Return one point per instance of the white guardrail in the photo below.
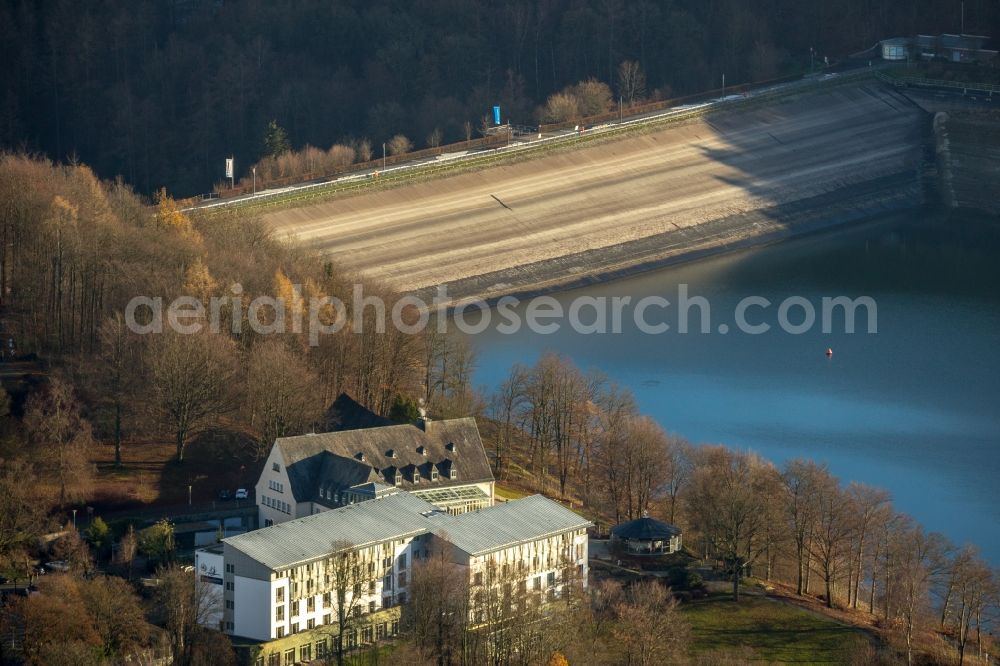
(565, 136)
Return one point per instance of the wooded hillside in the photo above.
(162, 92)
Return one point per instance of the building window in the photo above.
(453, 473)
(320, 649)
(276, 467)
(289, 657)
(274, 659)
(551, 579)
(371, 606)
(268, 522)
(380, 631)
(478, 579)
(366, 635)
(371, 587)
(401, 598)
(229, 604)
(281, 632)
(416, 476)
(537, 583)
(306, 653)
(310, 624)
(326, 599)
(295, 628)
(230, 568)
(229, 586)
(395, 627)
(402, 561)
(279, 613)
(357, 611)
(401, 579)
(327, 618)
(434, 474)
(279, 594)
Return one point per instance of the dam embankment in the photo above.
(723, 181)
(967, 144)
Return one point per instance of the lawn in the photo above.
(508, 493)
(776, 632)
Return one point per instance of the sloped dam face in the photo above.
(729, 179)
(967, 146)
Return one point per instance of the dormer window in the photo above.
(393, 476)
(416, 475)
(450, 446)
(276, 467)
(453, 472)
(391, 453)
(434, 474)
(422, 450)
(360, 456)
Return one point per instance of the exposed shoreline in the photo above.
(844, 208)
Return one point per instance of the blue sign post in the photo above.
(496, 115)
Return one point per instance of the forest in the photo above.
(160, 93)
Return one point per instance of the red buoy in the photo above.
(829, 351)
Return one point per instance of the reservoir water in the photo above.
(913, 408)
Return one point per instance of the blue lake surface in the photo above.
(913, 408)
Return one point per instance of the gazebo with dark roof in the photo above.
(647, 536)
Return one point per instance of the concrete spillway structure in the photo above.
(726, 180)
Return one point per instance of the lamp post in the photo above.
(189, 494)
(620, 100)
(383, 156)
(723, 85)
(255, 180)
(74, 519)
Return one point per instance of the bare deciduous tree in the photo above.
(801, 480)
(22, 511)
(119, 353)
(192, 381)
(283, 393)
(649, 628)
(437, 615)
(631, 82)
(399, 145)
(61, 440)
(434, 138)
(184, 609)
(726, 504)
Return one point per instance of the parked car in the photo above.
(242, 494)
(225, 495)
(57, 565)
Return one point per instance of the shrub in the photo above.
(399, 145)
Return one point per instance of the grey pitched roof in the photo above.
(404, 515)
(508, 524)
(313, 537)
(645, 529)
(332, 459)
